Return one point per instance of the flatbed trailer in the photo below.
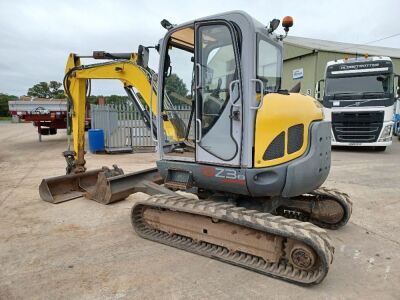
(48, 115)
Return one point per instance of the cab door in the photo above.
(218, 94)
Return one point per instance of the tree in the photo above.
(175, 87)
(47, 90)
(4, 98)
(116, 99)
(113, 99)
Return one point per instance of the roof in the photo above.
(359, 60)
(332, 46)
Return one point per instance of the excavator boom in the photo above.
(132, 71)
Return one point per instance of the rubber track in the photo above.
(307, 233)
(344, 201)
(342, 198)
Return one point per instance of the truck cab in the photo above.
(358, 100)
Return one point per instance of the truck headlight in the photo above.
(386, 134)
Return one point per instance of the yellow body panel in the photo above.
(128, 72)
(277, 114)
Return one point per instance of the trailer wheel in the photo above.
(44, 131)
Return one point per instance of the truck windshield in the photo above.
(359, 85)
(269, 59)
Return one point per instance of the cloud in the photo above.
(36, 36)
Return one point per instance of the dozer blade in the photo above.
(102, 185)
(67, 187)
(111, 189)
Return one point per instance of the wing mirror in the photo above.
(381, 78)
(143, 56)
(296, 88)
(318, 90)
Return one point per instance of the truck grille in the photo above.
(362, 127)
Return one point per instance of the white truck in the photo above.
(358, 98)
(396, 119)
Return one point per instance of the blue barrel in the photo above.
(96, 140)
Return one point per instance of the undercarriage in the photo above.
(273, 235)
(287, 249)
(326, 208)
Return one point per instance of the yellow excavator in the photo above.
(251, 158)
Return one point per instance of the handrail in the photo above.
(198, 71)
(198, 121)
(231, 92)
(262, 93)
(155, 139)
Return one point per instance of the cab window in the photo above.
(269, 60)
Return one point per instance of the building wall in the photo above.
(308, 64)
(313, 65)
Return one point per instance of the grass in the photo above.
(5, 118)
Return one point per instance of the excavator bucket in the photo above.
(67, 187)
(102, 185)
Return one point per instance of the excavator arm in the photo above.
(131, 72)
(107, 185)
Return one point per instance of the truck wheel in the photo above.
(53, 131)
(380, 148)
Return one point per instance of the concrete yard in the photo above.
(84, 250)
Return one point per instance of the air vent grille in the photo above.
(276, 149)
(295, 138)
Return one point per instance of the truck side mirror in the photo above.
(318, 90)
(296, 88)
(398, 86)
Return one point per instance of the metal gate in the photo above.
(124, 130)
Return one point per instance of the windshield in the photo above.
(358, 85)
(269, 65)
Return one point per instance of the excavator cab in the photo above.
(226, 70)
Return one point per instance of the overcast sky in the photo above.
(36, 36)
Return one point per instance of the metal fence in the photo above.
(124, 129)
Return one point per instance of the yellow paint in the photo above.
(277, 114)
(129, 73)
